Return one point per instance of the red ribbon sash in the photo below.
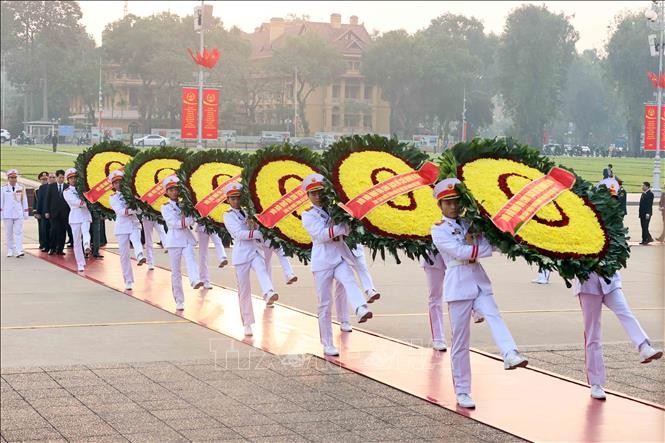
(153, 193)
(214, 198)
(288, 203)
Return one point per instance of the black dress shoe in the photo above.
(51, 252)
(61, 253)
(70, 245)
(98, 256)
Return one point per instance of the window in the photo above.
(352, 90)
(353, 66)
(335, 91)
(335, 117)
(367, 121)
(351, 120)
(369, 90)
(133, 97)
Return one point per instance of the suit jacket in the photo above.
(328, 245)
(55, 203)
(646, 203)
(40, 207)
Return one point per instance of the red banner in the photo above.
(288, 203)
(189, 113)
(215, 198)
(98, 191)
(531, 198)
(651, 127)
(363, 203)
(153, 193)
(210, 111)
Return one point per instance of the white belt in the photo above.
(452, 263)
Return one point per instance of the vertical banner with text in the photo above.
(651, 127)
(188, 116)
(210, 111)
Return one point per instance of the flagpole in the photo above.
(199, 142)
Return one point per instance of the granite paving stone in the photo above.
(168, 436)
(211, 434)
(262, 430)
(45, 433)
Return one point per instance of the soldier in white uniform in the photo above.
(466, 287)
(179, 242)
(331, 262)
(79, 219)
(284, 262)
(247, 255)
(127, 229)
(222, 259)
(14, 209)
(148, 226)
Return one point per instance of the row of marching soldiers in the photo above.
(453, 271)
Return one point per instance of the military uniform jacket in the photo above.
(465, 277)
(78, 209)
(13, 204)
(246, 242)
(178, 234)
(126, 220)
(596, 284)
(328, 246)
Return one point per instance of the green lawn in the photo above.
(30, 160)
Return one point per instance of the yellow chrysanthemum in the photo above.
(274, 179)
(153, 172)
(574, 228)
(100, 166)
(205, 178)
(409, 215)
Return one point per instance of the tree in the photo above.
(536, 49)
(627, 64)
(394, 62)
(317, 63)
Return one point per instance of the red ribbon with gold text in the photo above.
(98, 191)
(288, 203)
(215, 198)
(153, 193)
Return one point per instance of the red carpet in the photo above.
(529, 403)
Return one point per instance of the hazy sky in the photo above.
(591, 19)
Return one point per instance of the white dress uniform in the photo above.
(593, 293)
(331, 261)
(127, 230)
(179, 242)
(79, 220)
(247, 255)
(148, 226)
(435, 273)
(287, 269)
(14, 209)
(220, 252)
(360, 266)
(467, 287)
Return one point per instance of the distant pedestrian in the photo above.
(14, 209)
(646, 210)
(661, 206)
(607, 172)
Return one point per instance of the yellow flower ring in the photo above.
(409, 216)
(153, 172)
(270, 181)
(204, 179)
(567, 227)
(99, 167)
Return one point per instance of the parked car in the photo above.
(5, 136)
(269, 140)
(151, 140)
(309, 142)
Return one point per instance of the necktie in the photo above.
(60, 189)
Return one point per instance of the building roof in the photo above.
(348, 38)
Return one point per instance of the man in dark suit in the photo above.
(646, 209)
(57, 212)
(40, 205)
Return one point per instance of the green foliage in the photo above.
(536, 49)
(191, 163)
(81, 166)
(127, 185)
(378, 244)
(607, 208)
(251, 202)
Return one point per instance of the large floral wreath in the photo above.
(579, 232)
(144, 171)
(354, 164)
(94, 165)
(268, 175)
(199, 175)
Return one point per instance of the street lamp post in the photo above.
(657, 22)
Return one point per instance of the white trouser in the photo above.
(176, 276)
(14, 234)
(245, 289)
(435, 301)
(343, 275)
(204, 238)
(283, 261)
(341, 308)
(125, 258)
(148, 225)
(591, 311)
(360, 265)
(460, 322)
(80, 231)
